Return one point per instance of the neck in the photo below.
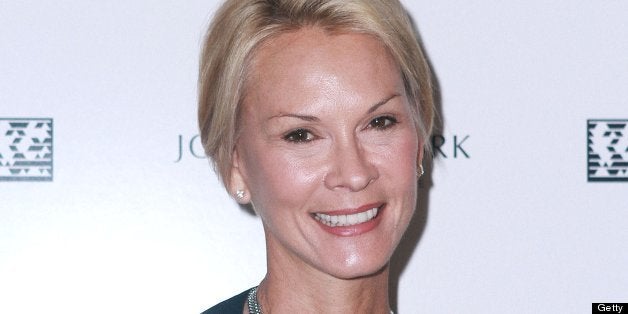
(294, 287)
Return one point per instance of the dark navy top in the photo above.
(234, 305)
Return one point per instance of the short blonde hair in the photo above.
(239, 26)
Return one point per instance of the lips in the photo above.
(346, 220)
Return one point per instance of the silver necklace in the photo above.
(255, 308)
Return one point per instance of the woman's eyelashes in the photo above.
(302, 135)
(382, 123)
(299, 136)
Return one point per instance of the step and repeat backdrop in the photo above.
(107, 204)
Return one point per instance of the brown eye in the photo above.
(382, 123)
(299, 136)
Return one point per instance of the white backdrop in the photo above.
(510, 223)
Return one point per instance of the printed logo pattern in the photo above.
(607, 150)
(25, 149)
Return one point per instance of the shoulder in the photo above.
(234, 305)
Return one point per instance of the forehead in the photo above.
(314, 43)
(319, 64)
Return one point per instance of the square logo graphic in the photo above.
(607, 145)
(26, 149)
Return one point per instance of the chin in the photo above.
(353, 268)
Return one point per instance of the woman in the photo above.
(317, 113)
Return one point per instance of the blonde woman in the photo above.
(317, 113)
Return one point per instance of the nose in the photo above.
(350, 167)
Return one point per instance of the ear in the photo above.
(237, 185)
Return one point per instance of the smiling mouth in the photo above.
(347, 220)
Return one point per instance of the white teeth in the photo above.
(346, 220)
(362, 217)
(352, 219)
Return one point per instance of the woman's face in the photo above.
(328, 152)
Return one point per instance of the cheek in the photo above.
(403, 173)
(398, 157)
(278, 179)
(398, 171)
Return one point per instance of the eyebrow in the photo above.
(298, 116)
(315, 119)
(381, 103)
